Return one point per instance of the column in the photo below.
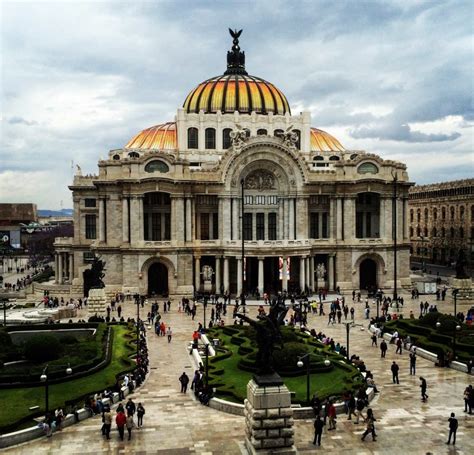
(281, 221)
(134, 224)
(197, 274)
(218, 275)
(226, 273)
(260, 276)
(302, 273)
(331, 272)
(189, 220)
(235, 219)
(220, 211)
(400, 213)
(405, 218)
(311, 273)
(307, 275)
(284, 278)
(382, 218)
(101, 220)
(177, 212)
(60, 268)
(225, 219)
(349, 218)
(141, 219)
(339, 227)
(125, 221)
(239, 276)
(291, 221)
(285, 220)
(56, 268)
(387, 219)
(302, 218)
(71, 267)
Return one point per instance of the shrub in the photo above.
(288, 355)
(41, 348)
(5, 338)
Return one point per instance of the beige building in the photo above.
(442, 221)
(164, 211)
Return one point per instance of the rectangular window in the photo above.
(260, 222)
(155, 226)
(204, 226)
(324, 222)
(272, 226)
(89, 202)
(167, 226)
(314, 226)
(91, 227)
(248, 221)
(359, 224)
(215, 225)
(88, 257)
(368, 225)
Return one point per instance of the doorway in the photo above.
(158, 279)
(368, 275)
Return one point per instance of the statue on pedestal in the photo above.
(461, 264)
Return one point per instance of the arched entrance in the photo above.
(158, 279)
(368, 275)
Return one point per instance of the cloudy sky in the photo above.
(81, 78)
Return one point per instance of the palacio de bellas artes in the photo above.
(237, 228)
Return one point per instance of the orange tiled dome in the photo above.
(160, 137)
(324, 142)
(236, 92)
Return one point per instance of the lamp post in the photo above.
(4, 302)
(137, 301)
(204, 307)
(242, 296)
(44, 378)
(394, 233)
(207, 363)
(300, 364)
(348, 326)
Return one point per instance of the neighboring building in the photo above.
(54, 218)
(442, 221)
(164, 211)
(12, 218)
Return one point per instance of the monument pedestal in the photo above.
(269, 419)
(465, 294)
(97, 302)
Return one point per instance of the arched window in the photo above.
(157, 166)
(461, 232)
(411, 215)
(134, 155)
(425, 232)
(261, 132)
(368, 168)
(210, 138)
(226, 140)
(277, 133)
(452, 213)
(116, 157)
(435, 214)
(472, 213)
(426, 214)
(443, 213)
(434, 232)
(411, 232)
(461, 213)
(418, 215)
(451, 233)
(334, 158)
(193, 138)
(418, 231)
(318, 158)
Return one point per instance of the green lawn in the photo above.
(15, 403)
(231, 381)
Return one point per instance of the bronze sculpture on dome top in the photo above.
(235, 57)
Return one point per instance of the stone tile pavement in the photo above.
(176, 424)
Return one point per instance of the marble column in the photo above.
(405, 218)
(134, 224)
(235, 219)
(218, 275)
(302, 273)
(331, 272)
(141, 219)
(281, 221)
(311, 273)
(339, 226)
(197, 274)
(382, 218)
(349, 219)
(102, 220)
(307, 273)
(56, 268)
(189, 220)
(291, 221)
(302, 218)
(284, 278)
(177, 213)
(125, 221)
(71, 267)
(226, 273)
(260, 276)
(239, 276)
(60, 268)
(286, 220)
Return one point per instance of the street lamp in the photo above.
(348, 326)
(44, 378)
(207, 363)
(394, 233)
(300, 364)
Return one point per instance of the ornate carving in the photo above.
(260, 180)
(290, 137)
(239, 136)
(207, 272)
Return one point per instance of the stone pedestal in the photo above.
(97, 302)
(207, 286)
(269, 420)
(465, 294)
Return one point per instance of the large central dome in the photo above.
(236, 90)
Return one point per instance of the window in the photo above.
(193, 138)
(278, 133)
(451, 233)
(272, 226)
(418, 231)
(443, 213)
(157, 166)
(260, 222)
(298, 142)
(411, 232)
(426, 214)
(261, 132)
(248, 200)
(226, 139)
(461, 213)
(334, 158)
(259, 200)
(272, 200)
(324, 223)
(248, 226)
(425, 232)
(452, 213)
(443, 232)
(418, 215)
(134, 155)
(411, 216)
(89, 202)
(88, 257)
(205, 226)
(435, 214)
(91, 227)
(318, 158)
(314, 225)
(215, 225)
(434, 232)
(116, 157)
(210, 138)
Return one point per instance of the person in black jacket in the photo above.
(318, 430)
(395, 369)
(453, 427)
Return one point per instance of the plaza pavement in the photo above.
(176, 424)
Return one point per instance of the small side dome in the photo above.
(324, 142)
(159, 137)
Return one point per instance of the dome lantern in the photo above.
(235, 58)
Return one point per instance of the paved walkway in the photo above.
(177, 424)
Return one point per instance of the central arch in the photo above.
(158, 279)
(368, 275)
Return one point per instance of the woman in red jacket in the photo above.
(120, 420)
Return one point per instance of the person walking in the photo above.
(370, 421)
(184, 380)
(360, 405)
(107, 423)
(140, 414)
(120, 421)
(383, 349)
(453, 428)
(412, 363)
(130, 407)
(395, 369)
(119, 311)
(169, 334)
(129, 423)
(351, 406)
(352, 313)
(423, 387)
(332, 416)
(374, 339)
(318, 430)
(399, 346)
